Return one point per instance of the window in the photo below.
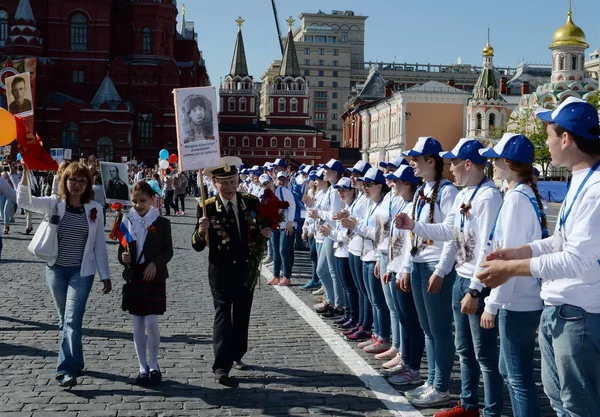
(334, 138)
(336, 52)
(307, 62)
(231, 104)
(321, 116)
(245, 141)
(478, 121)
(243, 104)
(301, 143)
(345, 37)
(104, 149)
(321, 73)
(259, 142)
(294, 105)
(334, 84)
(321, 84)
(334, 95)
(231, 141)
(331, 39)
(307, 73)
(321, 51)
(308, 38)
(336, 74)
(334, 106)
(146, 41)
(334, 116)
(561, 62)
(321, 94)
(321, 39)
(78, 76)
(333, 127)
(321, 62)
(3, 27)
(335, 62)
(320, 105)
(287, 143)
(281, 105)
(145, 129)
(574, 62)
(273, 142)
(306, 51)
(79, 35)
(70, 136)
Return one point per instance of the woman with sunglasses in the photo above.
(81, 252)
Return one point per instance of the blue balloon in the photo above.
(163, 154)
(19, 157)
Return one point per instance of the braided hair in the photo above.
(439, 175)
(525, 172)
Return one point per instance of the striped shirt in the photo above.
(73, 232)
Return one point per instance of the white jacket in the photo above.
(95, 256)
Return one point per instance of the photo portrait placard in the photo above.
(197, 128)
(115, 180)
(18, 95)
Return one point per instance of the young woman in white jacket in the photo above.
(81, 252)
(517, 303)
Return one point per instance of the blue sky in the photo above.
(426, 31)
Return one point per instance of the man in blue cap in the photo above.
(568, 264)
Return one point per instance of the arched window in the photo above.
(259, 142)
(301, 143)
(145, 129)
(243, 104)
(281, 105)
(146, 41)
(561, 62)
(231, 141)
(492, 123)
(293, 105)
(70, 137)
(574, 62)
(245, 141)
(287, 143)
(478, 119)
(231, 104)
(273, 142)
(79, 32)
(3, 26)
(104, 149)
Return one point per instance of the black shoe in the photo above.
(28, 230)
(240, 366)
(142, 379)
(323, 309)
(155, 377)
(222, 378)
(329, 313)
(341, 320)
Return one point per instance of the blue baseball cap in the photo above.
(307, 169)
(344, 183)
(334, 165)
(395, 163)
(373, 175)
(466, 149)
(512, 146)
(574, 115)
(301, 167)
(426, 145)
(242, 166)
(279, 162)
(360, 168)
(264, 178)
(404, 173)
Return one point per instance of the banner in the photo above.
(197, 128)
(58, 154)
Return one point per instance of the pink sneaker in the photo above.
(388, 354)
(397, 360)
(273, 281)
(284, 282)
(366, 343)
(378, 347)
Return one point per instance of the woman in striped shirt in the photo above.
(81, 252)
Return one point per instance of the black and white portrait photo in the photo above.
(18, 89)
(197, 119)
(115, 181)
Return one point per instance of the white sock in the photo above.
(139, 341)
(153, 340)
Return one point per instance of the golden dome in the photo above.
(569, 35)
(488, 50)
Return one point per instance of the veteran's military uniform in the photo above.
(228, 253)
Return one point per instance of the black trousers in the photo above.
(180, 198)
(230, 327)
(169, 202)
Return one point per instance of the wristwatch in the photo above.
(474, 293)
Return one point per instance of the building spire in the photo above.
(183, 20)
(239, 66)
(289, 64)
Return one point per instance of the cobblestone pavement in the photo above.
(295, 371)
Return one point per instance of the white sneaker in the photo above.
(417, 392)
(320, 291)
(431, 398)
(407, 377)
(268, 260)
(394, 370)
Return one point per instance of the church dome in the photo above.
(488, 50)
(569, 35)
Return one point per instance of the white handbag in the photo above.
(44, 244)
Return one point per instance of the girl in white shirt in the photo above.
(308, 234)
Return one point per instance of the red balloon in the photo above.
(172, 158)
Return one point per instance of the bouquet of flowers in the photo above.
(268, 214)
(118, 208)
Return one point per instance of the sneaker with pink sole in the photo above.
(366, 343)
(284, 282)
(395, 361)
(377, 347)
(273, 281)
(391, 353)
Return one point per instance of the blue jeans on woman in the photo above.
(350, 291)
(313, 259)
(388, 293)
(5, 209)
(326, 272)
(70, 292)
(365, 311)
(477, 350)
(282, 253)
(412, 337)
(435, 316)
(518, 331)
(381, 313)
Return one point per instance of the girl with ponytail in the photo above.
(516, 303)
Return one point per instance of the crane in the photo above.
(279, 37)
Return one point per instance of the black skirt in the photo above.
(142, 298)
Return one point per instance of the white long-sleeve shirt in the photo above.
(367, 228)
(340, 238)
(399, 242)
(358, 209)
(472, 241)
(517, 225)
(383, 214)
(284, 194)
(331, 205)
(321, 201)
(441, 252)
(569, 265)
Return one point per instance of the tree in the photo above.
(525, 123)
(594, 99)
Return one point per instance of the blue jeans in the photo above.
(313, 259)
(326, 272)
(365, 311)
(435, 316)
(477, 350)
(5, 209)
(282, 253)
(388, 293)
(70, 292)
(350, 291)
(518, 331)
(381, 313)
(412, 337)
(569, 340)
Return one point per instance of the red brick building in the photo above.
(287, 131)
(106, 70)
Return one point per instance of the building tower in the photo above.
(24, 37)
(239, 96)
(486, 110)
(288, 95)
